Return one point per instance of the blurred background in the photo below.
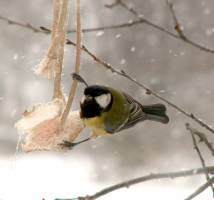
(179, 72)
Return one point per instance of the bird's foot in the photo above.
(69, 145)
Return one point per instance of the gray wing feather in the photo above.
(136, 113)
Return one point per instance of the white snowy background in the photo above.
(179, 72)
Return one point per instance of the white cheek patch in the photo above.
(103, 100)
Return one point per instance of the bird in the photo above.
(107, 110)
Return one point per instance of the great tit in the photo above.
(107, 110)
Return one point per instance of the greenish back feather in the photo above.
(118, 114)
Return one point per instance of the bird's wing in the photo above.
(136, 113)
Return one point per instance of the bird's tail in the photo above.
(156, 112)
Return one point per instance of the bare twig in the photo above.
(126, 184)
(77, 64)
(200, 189)
(110, 27)
(177, 26)
(124, 74)
(148, 91)
(43, 29)
(140, 20)
(164, 30)
(201, 136)
(200, 157)
(23, 25)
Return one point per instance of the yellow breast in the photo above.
(97, 126)
(95, 123)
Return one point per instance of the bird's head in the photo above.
(96, 99)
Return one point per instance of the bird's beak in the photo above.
(86, 98)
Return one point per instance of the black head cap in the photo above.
(96, 90)
(90, 107)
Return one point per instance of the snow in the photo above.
(99, 33)
(123, 61)
(15, 56)
(34, 177)
(132, 49)
(206, 11)
(118, 36)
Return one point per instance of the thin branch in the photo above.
(164, 30)
(140, 20)
(110, 27)
(77, 64)
(177, 26)
(124, 74)
(149, 177)
(201, 136)
(200, 189)
(141, 85)
(43, 29)
(200, 157)
(23, 25)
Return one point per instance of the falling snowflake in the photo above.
(15, 56)
(133, 49)
(99, 33)
(123, 61)
(118, 36)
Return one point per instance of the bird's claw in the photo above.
(69, 145)
(66, 144)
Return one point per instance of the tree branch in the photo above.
(140, 20)
(77, 64)
(162, 29)
(43, 29)
(177, 26)
(200, 189)
(201, 136)
(23, 25)
(200, 157)
(141, 85)
(110, 27)
(126, 184)
(124, 74)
